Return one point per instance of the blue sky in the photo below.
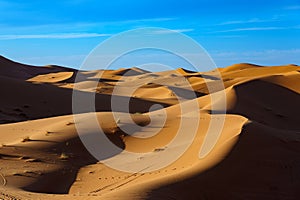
(234, 31)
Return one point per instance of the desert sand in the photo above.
(257, 155)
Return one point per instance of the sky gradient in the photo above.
(236, 31)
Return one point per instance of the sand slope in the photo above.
(255, 157)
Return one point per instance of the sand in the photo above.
(256, 154)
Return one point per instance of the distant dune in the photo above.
(257, 155)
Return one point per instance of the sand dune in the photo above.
(256, 155)
(11, 69)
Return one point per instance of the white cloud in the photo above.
(172, 31)
(294, 7)
(148, 20)
(297, 27)
(53, 36)
(254, 20)
(250, 29)
(91, 24)
(81, 26)
(230, 36)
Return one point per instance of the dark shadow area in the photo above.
(205, 76)
(188, 71)
(260, 166)
(59, 178)
(186, 94)
(268, 103)
(76, 157)
(23, 101)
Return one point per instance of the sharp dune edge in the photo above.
(256, 157)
